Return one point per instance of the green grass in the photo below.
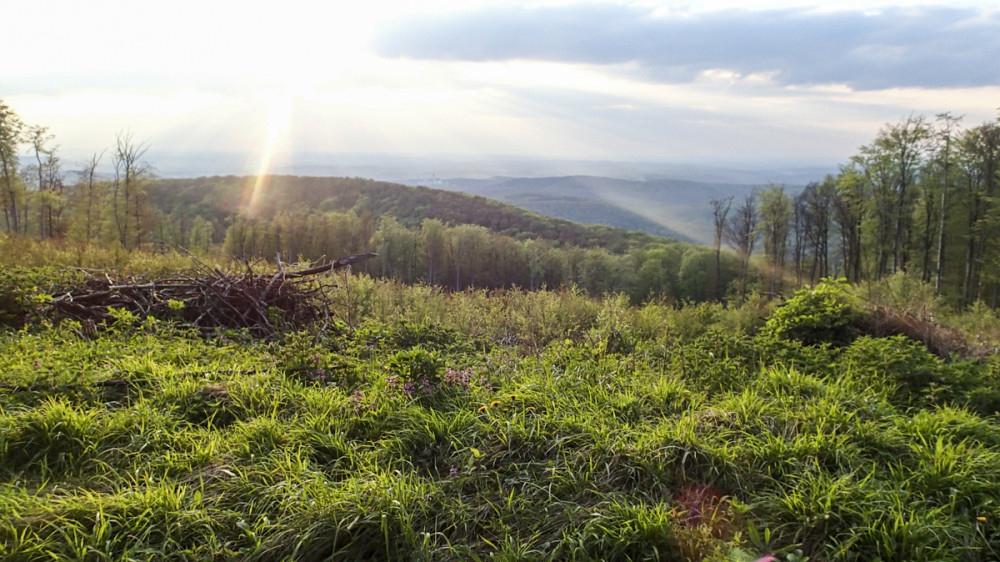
(502, 426)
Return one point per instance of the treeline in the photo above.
(221, 198)
(441, 238)
(42, 196)
(41, 199)
(921, 198)
(467, 255)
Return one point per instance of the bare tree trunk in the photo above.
(945, 135)
(720, 209)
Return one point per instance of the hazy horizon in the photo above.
(630, 81)
(417, 169)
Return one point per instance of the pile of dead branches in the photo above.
(208, 299)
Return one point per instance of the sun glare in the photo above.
(279, 116)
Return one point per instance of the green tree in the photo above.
(199, 236)
(509, 262)
(397, 248)
(775, 224)
(892, 163)
(818, 201)
(657, 274)
(11, 130)
(849, 213)
(945, 160)
(87, 199)
(468, 244)
(46, 174)
(695, 272)
(432, 233)
(742, 233)
(979, 162)
(131, 216)
(720, 211)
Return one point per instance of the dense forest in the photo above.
(919, 199)
(432, 236)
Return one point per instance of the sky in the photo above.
(713, 80)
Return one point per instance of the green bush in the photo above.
(24, 291)
(425, 333)
(826, 313)
(416, 365)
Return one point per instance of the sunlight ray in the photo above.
(279, 109)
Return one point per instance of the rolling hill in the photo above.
(219, 198)
(663, 207)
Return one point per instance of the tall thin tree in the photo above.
(741, 234)
(720, 210)
(944, 136)
(11, 130)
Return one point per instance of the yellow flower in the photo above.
(482, 410)
(494, 403)
(981, 519)
(513, 397)
(530, 408)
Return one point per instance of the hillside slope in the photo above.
(663, 207)
(218, 198)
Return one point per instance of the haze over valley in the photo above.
(663, 199)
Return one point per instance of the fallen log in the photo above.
(336, 264)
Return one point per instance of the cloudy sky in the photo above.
(628, 81)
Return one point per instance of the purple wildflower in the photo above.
(460, 379)
(426, 387)
(356, 399)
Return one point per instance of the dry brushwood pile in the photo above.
(208, 299)
(941, 340)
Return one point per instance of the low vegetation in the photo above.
(511, 425)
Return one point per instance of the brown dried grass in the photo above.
(942, 340)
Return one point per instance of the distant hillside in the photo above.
(663, 207)
(220, 198)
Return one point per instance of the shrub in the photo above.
(425, 333)
(24, 291)
(416, 365)
(826, 313)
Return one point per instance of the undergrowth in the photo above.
(507, 425)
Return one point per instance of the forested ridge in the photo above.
(432, 236)
(919, 199)
(221, 198)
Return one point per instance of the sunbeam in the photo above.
(279, 115)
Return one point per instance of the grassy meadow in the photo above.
(504, 425)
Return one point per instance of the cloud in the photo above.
(924, 47)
